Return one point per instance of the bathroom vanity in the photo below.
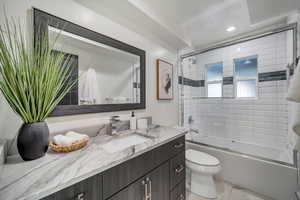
(156, 175)
(154, 169)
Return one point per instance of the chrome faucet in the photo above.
(114, 120)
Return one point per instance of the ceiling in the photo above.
(177, 24)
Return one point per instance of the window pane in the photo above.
(246, 88)
(215, 72)
(246, 67)
(214, 90)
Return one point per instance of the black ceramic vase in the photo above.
(33, 140)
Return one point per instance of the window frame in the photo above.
(235, 79)
(213, 82)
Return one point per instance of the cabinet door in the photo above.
(155, 183)
(159, 183)
(117, 178)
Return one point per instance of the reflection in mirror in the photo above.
(106, 75)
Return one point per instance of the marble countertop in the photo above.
(36, 179)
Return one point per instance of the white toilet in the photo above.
(203, 166)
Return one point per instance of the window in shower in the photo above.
(214, 79)
(245, 77)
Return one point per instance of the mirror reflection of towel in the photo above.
(89, 91)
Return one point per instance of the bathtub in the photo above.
(266, 171)
(272, 154)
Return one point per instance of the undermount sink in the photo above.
(123, 142)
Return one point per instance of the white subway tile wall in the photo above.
(261, 121)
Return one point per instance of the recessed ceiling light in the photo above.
(230, 29)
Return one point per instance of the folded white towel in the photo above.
(62, 140)
(69, 138)
(75, 135)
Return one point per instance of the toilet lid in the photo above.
(201, 158)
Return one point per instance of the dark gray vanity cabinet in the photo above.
(158, 174)
(150, 176)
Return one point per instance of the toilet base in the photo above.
(203, 185)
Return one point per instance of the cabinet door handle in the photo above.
(150, 188)
(178, 145)
(145, 184)
(80, 196)
(179, 169)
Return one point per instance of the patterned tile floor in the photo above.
(228, 192)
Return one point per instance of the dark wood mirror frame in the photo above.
(43, 20)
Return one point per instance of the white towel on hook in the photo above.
(296, 118)
(89, 91)
(294, 87)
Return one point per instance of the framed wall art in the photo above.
(165, 80)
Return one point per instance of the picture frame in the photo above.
(165, 80)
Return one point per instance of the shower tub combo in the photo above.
(234, 95)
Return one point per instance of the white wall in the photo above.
(163, 112)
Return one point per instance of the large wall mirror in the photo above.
(110, 73)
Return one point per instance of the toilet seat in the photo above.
(201, 158)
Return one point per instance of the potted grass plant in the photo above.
(33, 80)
